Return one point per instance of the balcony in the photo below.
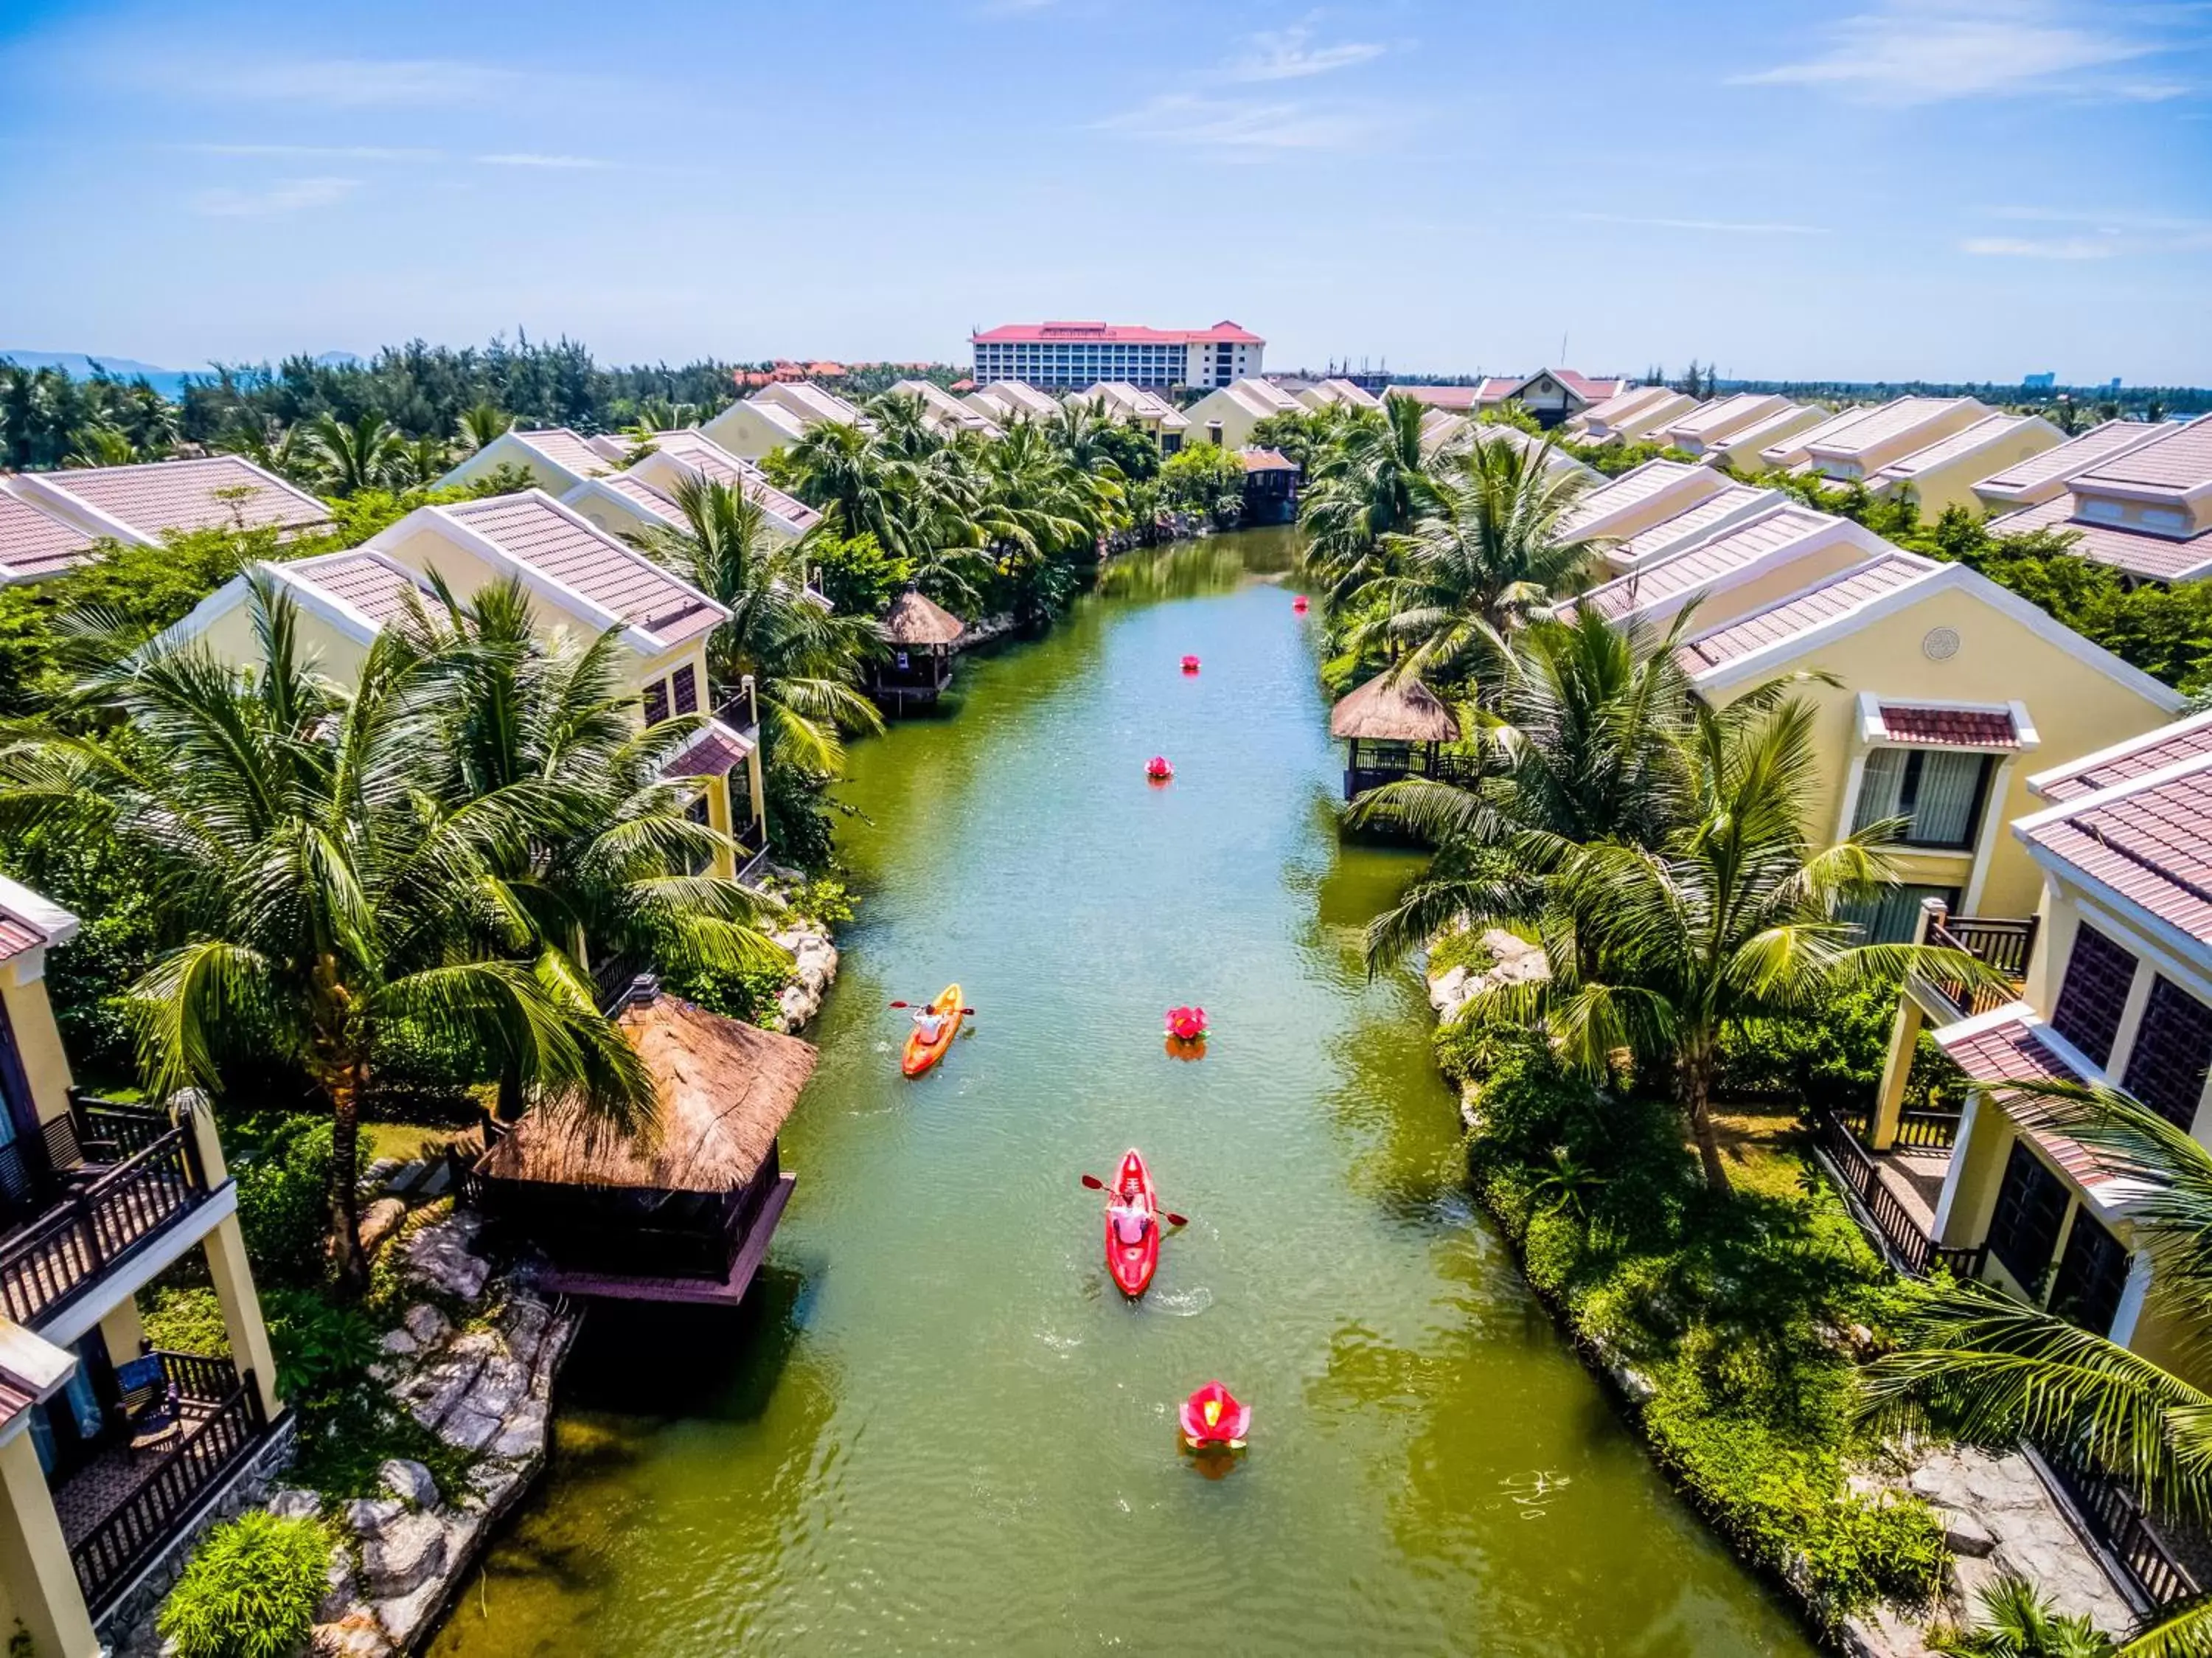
(1893, 1193)
(122, 1509)
(113, 1177)
(2003, 946)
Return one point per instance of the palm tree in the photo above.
(2000, 1369)
(99, 444)
(268, 443)
(803, 659)
(2017, 1622)
(420, 462)
(483, 423)
(840, 472)
(657, 414)
(1486, 552)
(321, 892)
(1368, 480)
(347, 460)
(903, 430)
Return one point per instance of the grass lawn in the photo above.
(405, 1141)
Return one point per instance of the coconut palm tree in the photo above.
(483, 423)
(2018, 1622)
(100, 444)
(321, 890)
(804, 660)
(346, 459)
(1486, 552)
(268, 443)
(1998, 1369)
(840, 472)
(1368, 480)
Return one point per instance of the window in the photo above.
(656, 701)
(2030, 1205)
(2094, 994)
(1894, 917)
(2172, 1051)
(687, 690)
(1937, 793)
(2091, 1275)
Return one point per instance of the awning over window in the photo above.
(1927, 725)
(2007, 1047)
(716, 751)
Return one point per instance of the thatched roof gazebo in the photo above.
(681, 1212)
(1403, 725)
(919, 635)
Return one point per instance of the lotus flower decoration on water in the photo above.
(1187, 1024)
(1299, 606)
(1158, 770)
(1213, 1418)
(1190, 664)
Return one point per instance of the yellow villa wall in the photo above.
(232, 639)
(2075, 708)
(1236, 421)
(1671, 502)
(612, 515)
(1953, 484)
(38, 1043)
(741, 430)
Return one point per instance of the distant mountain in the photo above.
(170, 382)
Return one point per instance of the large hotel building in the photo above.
(1071, 356)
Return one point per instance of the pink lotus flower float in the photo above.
(1156, 769)
(1187, 1024)
(1213, 1419)
(1298, 605)
(1190, 664)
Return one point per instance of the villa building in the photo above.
(1442, 430)
(2146, 510)
(1857, 450)
(1793, 451)
(143, 505)
(1324, 393)
(1731, 505)
(111, 1451)
(2044, 477)
(556, 459)
(1555, 396)
(1640, 497)
(1008, 400)
(1740, 450)
(1943, 475)
(947, 415)
(633, 502)
(1146, 410)
(1697, 431)
(1227, 416)
(35, 544)
(581, 582)
(778, 416)
(1643, 412)
(1061, 356)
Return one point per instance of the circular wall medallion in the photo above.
(1941, 644)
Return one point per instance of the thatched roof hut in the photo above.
(1404, 711)
(724, 1089)
(915, 621)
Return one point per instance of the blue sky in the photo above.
(1942, 188)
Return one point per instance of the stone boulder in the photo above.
(402, 1554)
(439, 1255)
(378, 1221)
(411, 1481)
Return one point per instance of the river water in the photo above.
(935, 1426)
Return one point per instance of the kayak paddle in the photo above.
(1167, 1215)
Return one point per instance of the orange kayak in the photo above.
(921, 1054)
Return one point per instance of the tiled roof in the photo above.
(1783, 423)
(715, 751)
(2170, 745)
(32, 544)
(1686, 526)
(2157, 557)
(27, 921)
(1265, 461)
(2151, 843)
(159, 496)
(1632, 488)
(1833, 430)
(697, 450)
(1016, 396)
(2011, 1050)
(646, 498)
(567, 450)
(1114, 333)
(1840, 594)
(1136, 400)
(1959, 444)
(1709, 562)
(1343, 391)
(2028, 480)
(1458, 398)
(17, 936)
(531, 529)
(944, 407)
(1949, 727)
(2180, 460)
(1893, 419)
(372, 583)
(1625, 402)
(810, 402)
(1725, 414)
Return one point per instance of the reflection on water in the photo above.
(935, 1426)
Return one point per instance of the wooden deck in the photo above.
(694, 1292)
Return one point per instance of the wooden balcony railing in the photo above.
(1893, 1227)
(91, 1226)
(220, 1439)
(2124, 1527)
(2003, 946)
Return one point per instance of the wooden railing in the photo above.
(1892, 1226)
(2121, 1523)
(163, 1502)
(1928, 1131)
(2002, 945)
(47, 1263)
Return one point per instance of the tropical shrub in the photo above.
(250, 1590)
(284, 1200)
(1202, 478)
(320, 1347)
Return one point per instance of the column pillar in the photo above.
(1904, 1042)
(225, 1249)
(38, 1583)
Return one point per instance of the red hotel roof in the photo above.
(1112, 333)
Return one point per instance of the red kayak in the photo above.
(1133, 1240)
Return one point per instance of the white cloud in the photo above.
(1734, 227)
(1241, 126)
(1923, 52)
(525, 158)
(1289, 55)
(2040, 247)
(286, 196)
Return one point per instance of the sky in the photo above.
(1859, 189)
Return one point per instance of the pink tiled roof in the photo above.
(1718, 415)
(2151, 843)
(1265, 461)
(567, 451)
(1640, 484)
(2014, 1051)
(715, 752)
(1760, 433)
(696, 449)
(161, 495)
(1893, 419)
(1114, 333)
(2180, 460)
(642, 496)
(2076, 455)
(1944, 451)
(32, 544)
(1949, 727)
(531, 529)
(1620, 406)
(1831, 430)
(1707, 563)
(1457, 398)
(372, 583)
(17, 936)
(1840, 594)
(2170, 745)
(2156, 557)
(1685, 526)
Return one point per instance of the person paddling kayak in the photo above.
(929, 1022)
(1130, 1218)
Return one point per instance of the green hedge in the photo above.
(250, 1590)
